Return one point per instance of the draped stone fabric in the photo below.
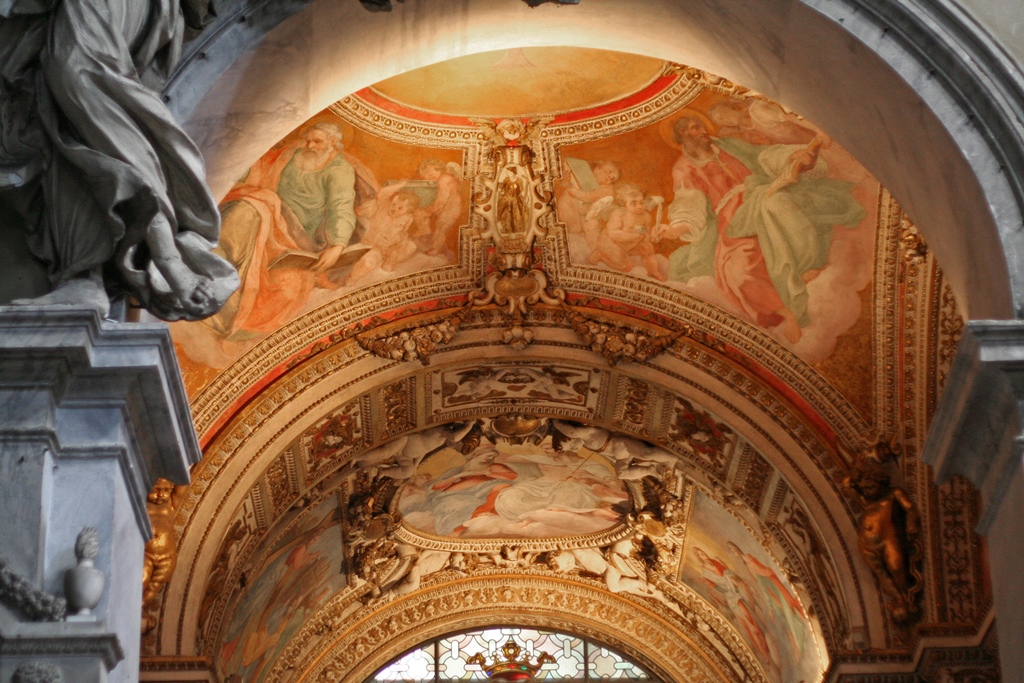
(93, 159)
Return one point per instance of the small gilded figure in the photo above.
(161, 550)
(889, 526)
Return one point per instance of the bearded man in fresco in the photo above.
(759, 218)
(299, 198)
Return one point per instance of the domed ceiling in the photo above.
(570, 339)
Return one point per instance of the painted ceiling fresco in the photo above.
(730, 199)
(562, 338)
(521, 82)
(726, 565)
(513, 491)
(499, 494)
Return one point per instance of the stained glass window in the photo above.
(466, 656)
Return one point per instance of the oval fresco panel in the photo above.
(513, 491)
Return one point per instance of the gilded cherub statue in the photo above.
(889, 526)
(161, 550)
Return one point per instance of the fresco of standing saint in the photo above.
(748, 207)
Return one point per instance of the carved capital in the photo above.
(976, 431)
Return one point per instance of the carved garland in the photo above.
(18, 594)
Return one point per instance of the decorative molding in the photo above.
(757, 475)
(619, 341)
(971, 663)
(412, 343)
(38, 672)
(814, 566)
(597, 382)
(174, 663)
(397, 407)
(69, 643)
(697, 646)
(634, 406)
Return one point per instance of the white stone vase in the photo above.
(84, 583)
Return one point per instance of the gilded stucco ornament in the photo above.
(388, 559)
(618, 341)
(161, 554)
(413, 343)
(514, 205)
(509, 665)
(888, 537)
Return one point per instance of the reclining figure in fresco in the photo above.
(112, 191)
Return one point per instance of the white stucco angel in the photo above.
(414, 564)
(619, 568)
(398, 459)
(633, 459)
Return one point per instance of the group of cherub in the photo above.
(397, 226)
(619, 220)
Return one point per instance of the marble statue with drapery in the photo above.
(111, 189)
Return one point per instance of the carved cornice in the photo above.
(201, 664)
(604, 538)
(66, 643)
(391, 126)
(974, 662)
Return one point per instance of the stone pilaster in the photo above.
(91, 414)
(977, 433)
